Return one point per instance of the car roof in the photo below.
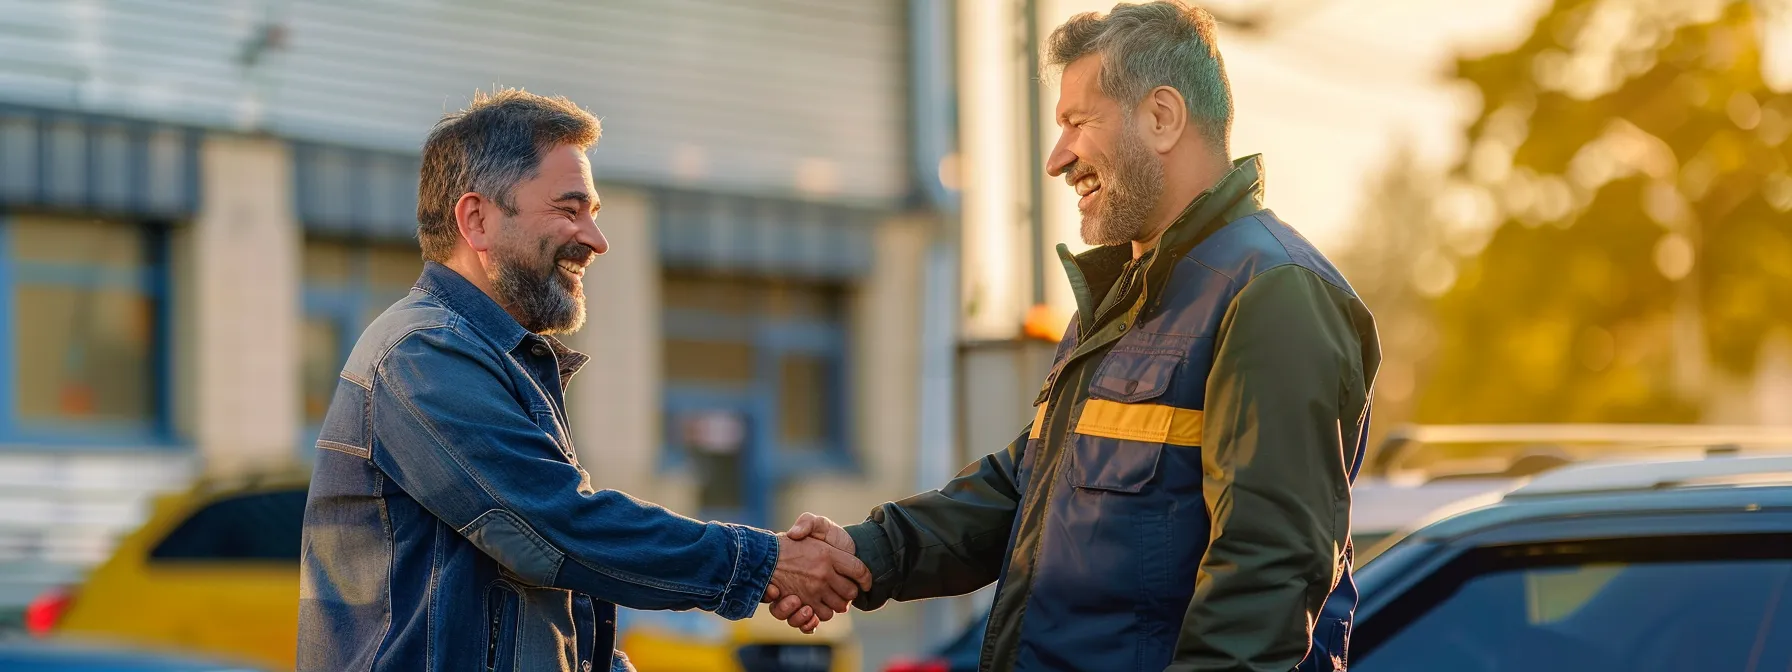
(1597, 477)
(1498, 450)
(263, 479)
(1633, 488)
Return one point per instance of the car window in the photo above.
(258, 526)
(1544, 613)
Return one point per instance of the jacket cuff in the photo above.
(872, 545)
(755, 556)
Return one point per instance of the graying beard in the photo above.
(541, 303)
(1137, 186)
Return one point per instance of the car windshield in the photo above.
(1648, 616)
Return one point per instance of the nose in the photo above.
(591, 236)
(1061, 157)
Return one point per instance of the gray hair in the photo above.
(488, 148)
(1144, 46)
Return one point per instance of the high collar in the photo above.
(472, 304)
(1238, 193)
(487, 317)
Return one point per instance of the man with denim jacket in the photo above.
(450, 525)
(1181, 500)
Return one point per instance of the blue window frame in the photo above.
(346, 283)
(84, 332)
(756, 389)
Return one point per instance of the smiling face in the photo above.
(538, 256)
(1101, 154)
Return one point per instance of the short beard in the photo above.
(533, 290)
(1132, 187)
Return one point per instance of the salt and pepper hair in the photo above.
(1145, 46)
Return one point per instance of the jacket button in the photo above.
(1123, 326)
(541, 350)
(585, 666)
(1131, 385)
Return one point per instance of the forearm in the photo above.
(943, 542)
(454, 442)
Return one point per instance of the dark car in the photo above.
(1645, 567)
(1642, 567)
(959, 655)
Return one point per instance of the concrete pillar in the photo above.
(245, 247)
(614, 403)
(997, 258)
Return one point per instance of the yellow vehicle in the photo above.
(214, 571)
(699, 641)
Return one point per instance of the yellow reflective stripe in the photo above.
(1038, 421)
(1140, 422)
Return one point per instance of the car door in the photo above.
(225, 580)
(1669, 603)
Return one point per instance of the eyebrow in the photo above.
(583, 199)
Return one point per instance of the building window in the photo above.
(804, 384)
(346, 286)
(756, 386)
(83, 322)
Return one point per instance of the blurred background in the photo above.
(832, 280)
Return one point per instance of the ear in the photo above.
(470, 215)
(1163, 117)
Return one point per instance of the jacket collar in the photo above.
(1237, 194)
(472, 304)
(488, 318)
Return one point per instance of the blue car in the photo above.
(22, 655)
(1643, 567)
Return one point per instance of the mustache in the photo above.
(578, 253)
(1076, 171)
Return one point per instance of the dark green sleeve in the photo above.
(1277, 478)
(942, 542)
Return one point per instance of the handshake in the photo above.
(818, 574)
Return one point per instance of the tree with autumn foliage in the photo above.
(1617, 236)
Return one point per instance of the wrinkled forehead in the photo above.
(563, 168)
(1079, 87)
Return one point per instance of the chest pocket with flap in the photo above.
(1124, 426)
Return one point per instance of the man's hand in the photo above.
(815, 579)
(811, 525)
(790, 608)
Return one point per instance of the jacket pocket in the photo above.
(1119, 435)
(550, 425)
(501, 605)
(1113, 465)
(1135, 509)
(1129, 377)
(1128, 401)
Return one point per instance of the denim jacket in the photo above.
(450, 526)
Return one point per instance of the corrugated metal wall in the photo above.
(97, 164)
(776, 97)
